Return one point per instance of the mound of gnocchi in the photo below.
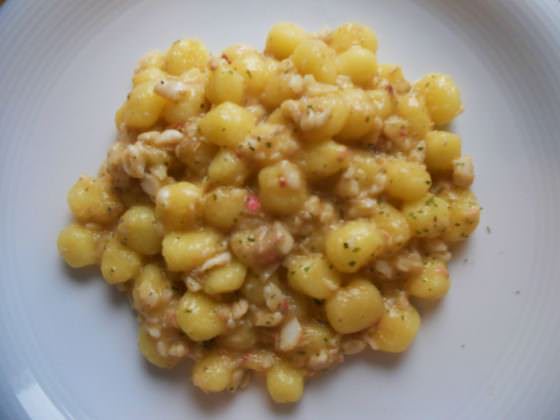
(273, 212)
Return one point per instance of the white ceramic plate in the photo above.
(489, 351)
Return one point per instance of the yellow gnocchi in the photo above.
(442, 148)
(397, 327)
(354, 307)
(92, 200)
(407, 181)
(78, 246)
(428, 217)
(225, 279)
(184, 55)
(178, 205)
(431, 283)
(312, 275)
(284, 383)
(442, 96)
(314, 57)
(282, 187)
(140, 230)
(213, 373)
(283, 39)
(183, 251)
(352, 245)
(197, 316)
(227, 124)
(358, 63)
(119, 263)
(225, 85)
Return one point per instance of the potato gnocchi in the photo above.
(269, 213)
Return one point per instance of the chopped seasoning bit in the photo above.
(517, 292)
(306, 269)
(488, 230)
(352, 263)
(252, 203)
(431, 202)
(346, 246)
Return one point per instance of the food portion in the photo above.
(273, 212)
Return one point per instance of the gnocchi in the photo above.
(274, 212)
